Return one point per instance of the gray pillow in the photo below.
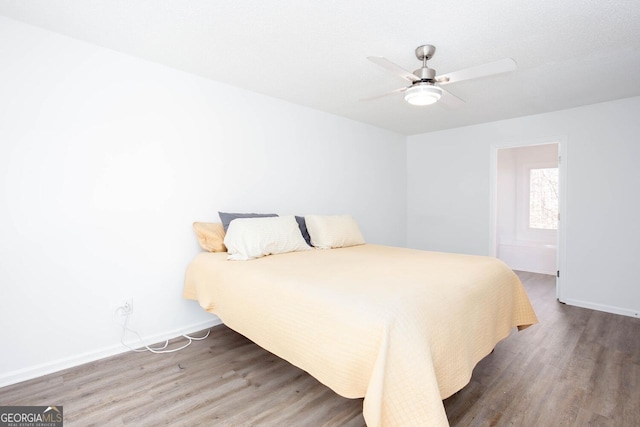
(226, 218)
(303, 229)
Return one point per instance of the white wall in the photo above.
(106, 160)
(448, 195)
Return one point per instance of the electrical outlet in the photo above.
(126, 308)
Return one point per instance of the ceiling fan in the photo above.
(425, 84)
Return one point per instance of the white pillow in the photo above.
(333, 231)
(249, 238)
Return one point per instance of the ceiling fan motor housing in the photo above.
(425, 74)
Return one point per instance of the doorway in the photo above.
(527, 207)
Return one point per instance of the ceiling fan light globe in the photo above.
(421, 95)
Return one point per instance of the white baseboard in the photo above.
(31, 372)
(602, 307)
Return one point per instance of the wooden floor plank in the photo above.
(578, 367)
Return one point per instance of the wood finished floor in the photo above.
(578, 367)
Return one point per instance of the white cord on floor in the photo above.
(158, 350)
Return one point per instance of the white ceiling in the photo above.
(313, 53)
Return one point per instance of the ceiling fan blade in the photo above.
(450, 100)
(393, 92)
(497, 67)
(395, 69)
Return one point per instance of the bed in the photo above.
(402, 328)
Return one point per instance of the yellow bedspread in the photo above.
(402, 328)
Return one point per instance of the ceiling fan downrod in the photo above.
(424, 53)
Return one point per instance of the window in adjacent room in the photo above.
(543, 198)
